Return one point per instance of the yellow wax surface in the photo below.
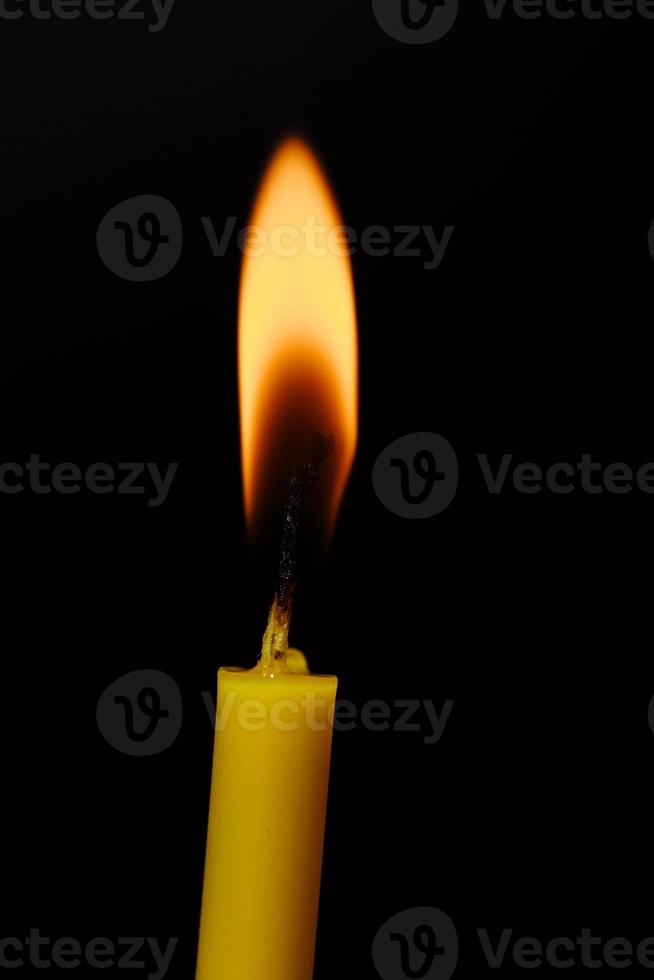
(266, 825)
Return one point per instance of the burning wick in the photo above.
(275, 640)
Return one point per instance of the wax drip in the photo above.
(275, 639)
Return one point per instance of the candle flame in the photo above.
(297, 343)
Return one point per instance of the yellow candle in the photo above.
(266, 822)
(297, 364)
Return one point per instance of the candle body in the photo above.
(266, 826)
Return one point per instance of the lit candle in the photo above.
(297, 378)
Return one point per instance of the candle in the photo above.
(297, 388)
(266, 824)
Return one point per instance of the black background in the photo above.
(531, 612)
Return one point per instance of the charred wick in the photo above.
(275, 639)
(303, 477)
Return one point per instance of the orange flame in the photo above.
(297, 343)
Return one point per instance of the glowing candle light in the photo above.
(297, 378)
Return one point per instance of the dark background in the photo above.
(532, 338)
